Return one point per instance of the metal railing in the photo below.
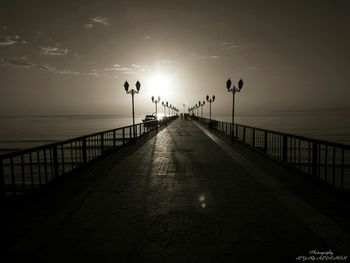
(25, 170)
(326, 161)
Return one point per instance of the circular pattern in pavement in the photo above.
(182, 230)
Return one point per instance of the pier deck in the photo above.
(185, 195)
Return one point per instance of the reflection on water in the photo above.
(201, 200)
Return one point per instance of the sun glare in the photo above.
(159, 85)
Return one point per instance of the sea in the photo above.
(21, 132)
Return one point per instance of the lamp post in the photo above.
(233, 90)
(156, 101)
(164, 105)
(210, 100)
(169, 110)
(167, 105)
(201, 105)
(132, 92)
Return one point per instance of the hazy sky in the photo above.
(72, 57)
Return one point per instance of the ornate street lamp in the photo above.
(164, 105)
(169, 107)
(198, 106)
(132, 92)
(233, 90)
(210, 100)
(201, 105)
(156, 101)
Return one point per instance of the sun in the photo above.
(159, 85)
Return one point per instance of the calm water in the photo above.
(18, 132)
(333, 127)
(27, 131)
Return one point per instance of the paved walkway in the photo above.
(186, 195)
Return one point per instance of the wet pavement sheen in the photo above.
(179, 197)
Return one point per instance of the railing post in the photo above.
(285, 148)
(265, 141)
(253, 139)
(243, 135)
(84, 151)
(123, 136)
(314, 158)
(55, 161)
(235, 126)
(114, 139)
(2, 179)
(342, 169)
(102, 143)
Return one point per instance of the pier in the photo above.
(179, 192)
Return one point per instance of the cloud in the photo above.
(207, 57)
(19, 63)
(134, 69)
(88, 25)
(166, 61)
(101, 20)
(115, 67)
(46, 68)
(229, 45)
(23, 63)
(54, 51)
(8, 40)
(148, 37)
